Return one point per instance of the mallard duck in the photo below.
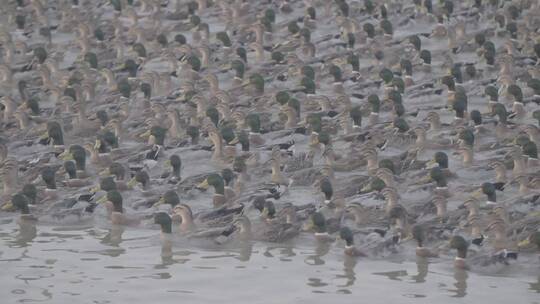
(346, 234)
(317, 224)
(20, 202)
(143, 179)
(175, 163)
(164, 221)
(216, 181)
(48, 175)
(73, 180)
(114, 205)
(418, 233)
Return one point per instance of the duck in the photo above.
(215, 180)
(164, 221)
(346, 234)
(418, 233)
(73, 181)
(114, 206)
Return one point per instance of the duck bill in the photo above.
(234, 141)
(524, 243)
(145, 134)
(102, 200)
(431, 164)
(65, 156)
(168, 163)
(160, 202)
(8, 206)
(95, 189)
(477, 194)
(132, 183)
(204, 185)
(97, 145)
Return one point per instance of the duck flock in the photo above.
(384, 125)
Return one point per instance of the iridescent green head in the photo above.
(159, 134)
(476, 117)
(308, 71)
(335, 71)
(239, 68)
(309, 85)
(416, 42)
(354, 61)
(224, 38)
(516, 92)
(193, 132)
(55, 133)
(346, 234)
(425, 55)
(164, 220)
(448, 80)
(117, 170)
(257, 81)
(30, 191)
(115, 198)
(441, 159)
(530, 150)
(467, 136)
(489, 190)
(171, 197)
(386, 75)
(500, 111)
(374, 102)
(146, 88)
(534, 84)
(124, 87)
(91, 59)
(388, 164)
(107, 184)
(460, 244)
(282, 97)
(418, 234)
(401, 124)
(356, 115)
(176, 164)
(71, 170)
(492, 92)
(369, 29)
(319, 222)
(20, 202)
(254, 122)
(437, 175)
(326, 188)
(48, 175)
(243, 139)
(143, 178)
(387, 27)
(227, 175)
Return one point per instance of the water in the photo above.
(96, 266)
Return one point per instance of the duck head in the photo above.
(70, 168)
(164, 221)
(48, 176)
(346, 234)
(214, 180)
(459, 243)
(317, 223)
(115, 199)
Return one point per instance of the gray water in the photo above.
(99, 266)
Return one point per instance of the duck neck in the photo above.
(462, 253)
(491, 197)
(467, 157)
(441, 209)
(187, 222)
